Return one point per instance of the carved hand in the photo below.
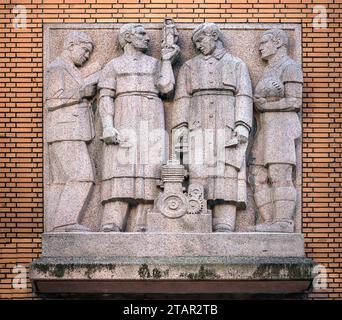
(88, 90)
(293, 104)
(170, 54)
(260, 103)
(181, 133)
(241, 132)
(110, 136)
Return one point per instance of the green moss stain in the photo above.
(43, 268)
(89, 271)
(59, 270)
(145, 273)
(156, 273)
(202, 274)
(282, 271)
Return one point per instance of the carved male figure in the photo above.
(214, 103)
(131, 110)
(69, 130)
(278, 99)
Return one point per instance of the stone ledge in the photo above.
(99, 244)
(176, 275)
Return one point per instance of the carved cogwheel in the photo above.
(173, 205)
(195, 205)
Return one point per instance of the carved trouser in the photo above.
(224, 215)
(224, 212)
(72, 182)
(275, 195)
(115, 214)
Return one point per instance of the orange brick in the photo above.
(21, 172)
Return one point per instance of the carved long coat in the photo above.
(131, 169)
(213, 96)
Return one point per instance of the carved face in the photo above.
(80, 53)
(205, 43)
(139, 39)
(267, 47)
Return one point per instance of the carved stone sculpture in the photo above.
(213, 114)
(177, 215)
(69, 129)
(169, 33)
(278, 99)
(132, 115)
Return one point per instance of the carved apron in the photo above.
(132, 168)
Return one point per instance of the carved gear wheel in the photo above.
(173, 205)
(195, 205)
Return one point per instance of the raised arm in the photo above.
(180, 112)
(166, 78)
(181, 107)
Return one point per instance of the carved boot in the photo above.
(70, 210)
(263, 201)
(77, 228)
(114, 216)
(277, 226)
(72, 228)
(141, 217)
(110, 227)
(285, 204)
(265, 210)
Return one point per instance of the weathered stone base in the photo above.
(126, 244)
(197, 263)
(201, 275)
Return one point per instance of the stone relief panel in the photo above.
(114, 94)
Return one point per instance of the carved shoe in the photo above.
(76, 228)
(285, 226)
(223, 228)
(110, 227)
(140, 229)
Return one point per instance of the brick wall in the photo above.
(21, 164)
